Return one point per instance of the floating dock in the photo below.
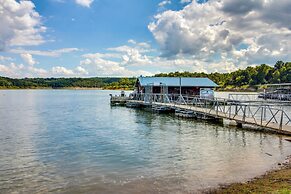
(260, 115)
(119, 99)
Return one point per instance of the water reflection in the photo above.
(73, 141)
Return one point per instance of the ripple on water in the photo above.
(70, 141)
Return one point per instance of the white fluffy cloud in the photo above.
(126, 60)
(12, 70)
(3, 58)
(81, 71)
(135, 60)
(20, 24)
(60, 71)
(99, 66)
(84, 3)
(20, 71)
(28, 58)
(241, 32)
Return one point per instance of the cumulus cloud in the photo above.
(243, 32)
(103, 67)
(134, 60)
(39, 72)
(20, 71)
(84, 3)
(29, 70)
(125, 60)
(81, 71)
(3, 58)
(241, 7)
(98, 64)
(5, 70)
(60, 71)
(28, 58)
(20, 24)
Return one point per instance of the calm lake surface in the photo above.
(72, 141)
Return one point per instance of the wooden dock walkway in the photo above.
(262, 116)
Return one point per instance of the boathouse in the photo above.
(175, 85)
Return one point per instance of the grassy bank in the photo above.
(275, 182)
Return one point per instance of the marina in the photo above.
(145, 97)
(118, 99)
(260, 115)
(194, 98)
(280, 92)
(73, 141)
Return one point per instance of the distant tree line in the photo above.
(123, 83)
(56, 82)
(251, 77)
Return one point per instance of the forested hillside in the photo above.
(55, 82)
(251, 77)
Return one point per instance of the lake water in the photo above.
(73, 141)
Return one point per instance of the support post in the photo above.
(265, 112)
(262, 115)
(230, 110)
(223, 105)
(244, 116)
(281, 120)
(180, 84)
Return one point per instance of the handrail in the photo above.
(259, 114)
(270, 98)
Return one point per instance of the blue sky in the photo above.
(105, 24)
(86, 38)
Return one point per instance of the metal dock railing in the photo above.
(263, 115)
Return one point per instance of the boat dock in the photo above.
(119, 99)
(262, 115)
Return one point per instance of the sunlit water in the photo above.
(72, 141)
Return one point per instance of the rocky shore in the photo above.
(277, 181)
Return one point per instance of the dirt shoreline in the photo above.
(277, 181)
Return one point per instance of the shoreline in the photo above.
(117, 89)
(49, 88)
(275, 180)
(66, 88)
